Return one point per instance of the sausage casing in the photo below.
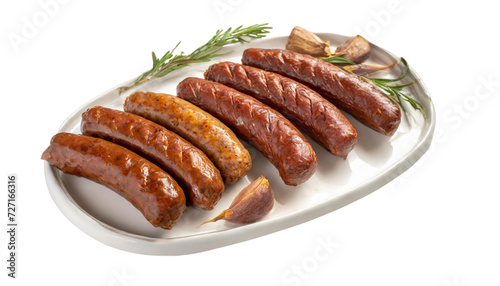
(189, 166)
(263, 127)
(354, 94)
(297, 102)
(150, 189)
(196, 126)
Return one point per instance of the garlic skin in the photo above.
(356, 49)
(305, 42)
(251, 204)
(365, 69)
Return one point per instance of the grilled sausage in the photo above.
(359, 97)
(196, 126)
(150, 189)
(300, 104)
(189, 166)
(263, 127)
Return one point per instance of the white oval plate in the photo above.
(374, 162)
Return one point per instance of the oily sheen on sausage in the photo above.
(189, 166)
(297, 102)
(352, 93)
(196, 126)
(260, 125)
(149, 188)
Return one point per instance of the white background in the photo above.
(437, 224)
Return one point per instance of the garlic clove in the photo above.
(356, 49)
(256, 201)
(365, 69)
(251, 204)
(305, 42)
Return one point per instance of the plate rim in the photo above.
(141, 244)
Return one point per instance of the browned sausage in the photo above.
(189, 166)
(359, 97)
(196, 126)
(150, 189)
(263, 127)
(297, 102)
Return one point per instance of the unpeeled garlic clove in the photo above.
(250, 204)
(364, 69)
(305, 42)
(357, 49)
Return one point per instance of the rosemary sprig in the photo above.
(395, 93)
(338, 59)
(170, 62)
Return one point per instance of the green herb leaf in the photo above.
(170, 62)
(395, 93)
(338, 59)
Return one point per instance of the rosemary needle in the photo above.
(170, 62)
(394, 92)
(338, 59)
